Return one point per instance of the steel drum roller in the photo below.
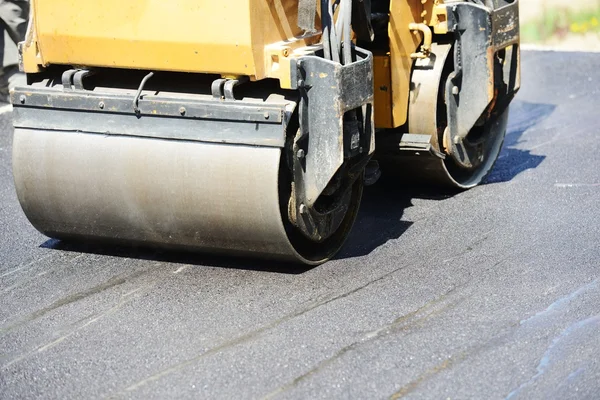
(178, 194)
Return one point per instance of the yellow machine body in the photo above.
(254, 38)
(224, 37)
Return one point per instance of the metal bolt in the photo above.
(182, 110)
(22, 99)
(101, 105)
(301, 83)
(455, 90)
(266, 115)
(286, 52)
(303, 209)
(456, 139)
(300, 154)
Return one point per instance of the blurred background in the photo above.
(561, 24)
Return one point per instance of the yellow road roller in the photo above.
(249, 127)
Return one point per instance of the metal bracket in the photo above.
(74, 77)
(307, 11)
(418, 145)
(216, 88)
(228, 88)
(477, 86)
(328, 91)
(223, 88)
(67, 79)
(80, 76)
(336, 137)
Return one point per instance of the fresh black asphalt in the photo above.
(490, 293)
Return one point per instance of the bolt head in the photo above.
(455, 90)
(266, 114)
(101, 105)
(22, 99)
(303, 209)
(300, 154)
(182, 110)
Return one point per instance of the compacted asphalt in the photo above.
(489, 293)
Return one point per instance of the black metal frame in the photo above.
(196, 118)
(336, 133)
(476, 82)
(328, 90)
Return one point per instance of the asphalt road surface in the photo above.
(490, 293)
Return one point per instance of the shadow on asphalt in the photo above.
(380, 217)
(513, 161)
(176, 257)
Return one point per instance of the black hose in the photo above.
(335, 41)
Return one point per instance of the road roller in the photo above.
(251, 127)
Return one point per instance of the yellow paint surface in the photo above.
(382, 91)
(256, 38)
(225, 37)
(403, 42)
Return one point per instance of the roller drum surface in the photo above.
(428, 116)
(187, 195)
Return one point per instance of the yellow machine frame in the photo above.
(255, 38)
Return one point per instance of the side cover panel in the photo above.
(225, 37)
(403, 42)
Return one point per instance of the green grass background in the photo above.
(558, 20)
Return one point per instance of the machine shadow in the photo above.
(380, 217)
(512, 161)
(177, 257)
(379, 220)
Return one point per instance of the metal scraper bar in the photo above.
(415, 144)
